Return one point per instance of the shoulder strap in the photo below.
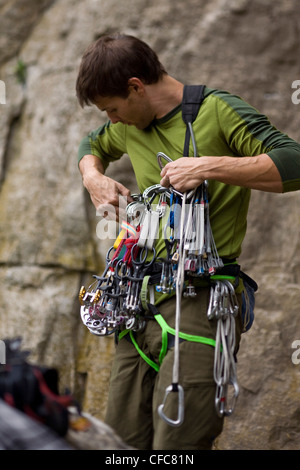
(193, 96)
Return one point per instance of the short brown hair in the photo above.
(108, 64)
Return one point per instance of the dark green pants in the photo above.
(136, 389)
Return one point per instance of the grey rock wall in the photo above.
(48, 241)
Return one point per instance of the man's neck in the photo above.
(165, 95)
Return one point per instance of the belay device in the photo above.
(118, 299)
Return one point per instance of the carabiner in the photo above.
(177, 389)
(143, 254)
(159, 156)
(221, 399)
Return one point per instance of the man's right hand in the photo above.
(108, 196)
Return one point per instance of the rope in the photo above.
(179, 288)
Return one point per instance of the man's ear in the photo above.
(135, 84)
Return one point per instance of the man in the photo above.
(240, 150)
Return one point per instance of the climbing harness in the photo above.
(119, 300)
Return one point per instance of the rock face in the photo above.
(48, 241)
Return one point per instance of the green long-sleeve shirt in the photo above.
(225, 125)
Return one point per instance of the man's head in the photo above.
(110, 63)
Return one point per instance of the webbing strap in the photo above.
(193, 96)
(144, 292)
(165, 330)
(142, 354)
(185, 336)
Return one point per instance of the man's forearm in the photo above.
(250, 172)
(90, 163)
(258, 172)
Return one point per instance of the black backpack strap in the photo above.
(193, 95)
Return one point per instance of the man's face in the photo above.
(134, 110)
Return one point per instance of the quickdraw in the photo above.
(223, 307)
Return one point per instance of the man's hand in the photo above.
(183, 174)
(109, 197)
(257, 172)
